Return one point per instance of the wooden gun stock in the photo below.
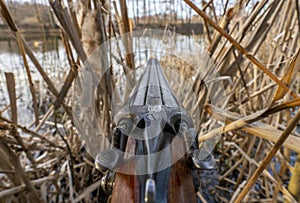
(181, 186)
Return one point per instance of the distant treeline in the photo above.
(28, 15)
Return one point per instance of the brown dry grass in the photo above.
(259, 52)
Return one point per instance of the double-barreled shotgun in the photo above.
(155, 140)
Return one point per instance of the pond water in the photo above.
(52, 57)
(53, 60)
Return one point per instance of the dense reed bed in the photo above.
(253, 46)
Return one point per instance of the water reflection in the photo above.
(51, 55)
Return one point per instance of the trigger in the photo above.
(150, 191)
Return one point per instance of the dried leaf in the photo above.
(10, 82)
(289, 74)
(259, 129)
(294, 186)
